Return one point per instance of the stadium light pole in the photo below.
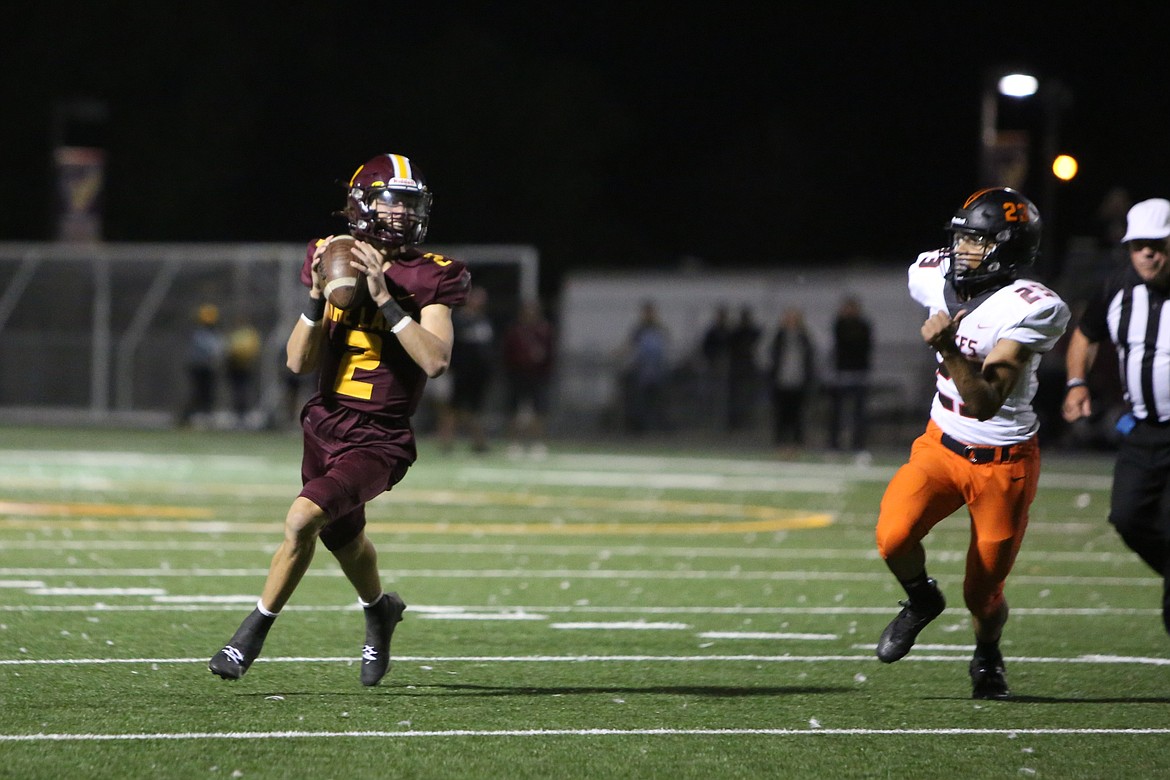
(996, 83)
(1055, 99)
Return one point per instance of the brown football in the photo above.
(341, 279)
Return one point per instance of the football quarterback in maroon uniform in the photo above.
(373, 359)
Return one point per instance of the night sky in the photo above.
(615, 135)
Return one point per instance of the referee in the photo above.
(1131, 312)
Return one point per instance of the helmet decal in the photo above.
(392, 181)
(1005, 225)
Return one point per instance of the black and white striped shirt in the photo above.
(1135, 317)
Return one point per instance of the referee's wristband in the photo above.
(1070, 384)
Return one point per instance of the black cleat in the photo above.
(900, 634)
(988, 680)
(381, 618)
(233, 660)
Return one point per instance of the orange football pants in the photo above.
(935, 483)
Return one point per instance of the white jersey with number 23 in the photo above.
(1024, 311)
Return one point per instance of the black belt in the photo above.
(979, 454)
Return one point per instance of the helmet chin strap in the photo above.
(979, 283)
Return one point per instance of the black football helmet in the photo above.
(392, 180)
(1007, 225)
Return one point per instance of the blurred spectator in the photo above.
(242, 364)
(742, 371)
(204, 356)
(647, 372)
(473, 360)
(852, 350)
(529, 345)
(792, 374)
(1111, 216)
(716, 352)
(717, 338)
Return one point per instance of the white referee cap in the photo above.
(1148, 219)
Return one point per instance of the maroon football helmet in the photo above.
(395, 183)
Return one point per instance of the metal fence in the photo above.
(99, 333)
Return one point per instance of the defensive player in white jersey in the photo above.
(989, 329)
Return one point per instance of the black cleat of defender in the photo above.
(900, 634)
(988, 679)
(233, 660)
(381, 618)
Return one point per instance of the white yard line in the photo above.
(867, 658)
(596, 551)
(482, 616)
(766, 635)
(622, 625)
(43, 591)
(594, 732)
(731, 574)
(231, 603)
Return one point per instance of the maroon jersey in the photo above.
(363, 365)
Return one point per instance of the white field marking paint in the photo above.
(116, 525)
(623, 462)
(732, 523)
(186, 486)
(20, 584)
(812, 478)
(920, 646)
(598, 463)
(576, 659)
(205, 599)
(1051, 477)
(237, 599)
(783, 520)
(865, 520)
(826, 484)
(130, 460)
(482, 616)
(592, 550)
(142, 545)
(96, 592)
(765, 635)
(661, 463)
(628, 625)
(233, 601)
(597, 732)
(583, 574)
(718, 610)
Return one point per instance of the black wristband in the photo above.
(314, 309)
(396, 316)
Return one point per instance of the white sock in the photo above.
(266, 613)
(372, 603)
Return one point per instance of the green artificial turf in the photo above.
(601, 612)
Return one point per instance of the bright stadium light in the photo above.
(1018, 85)
(1064, 167)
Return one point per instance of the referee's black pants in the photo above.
(1140, 504)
